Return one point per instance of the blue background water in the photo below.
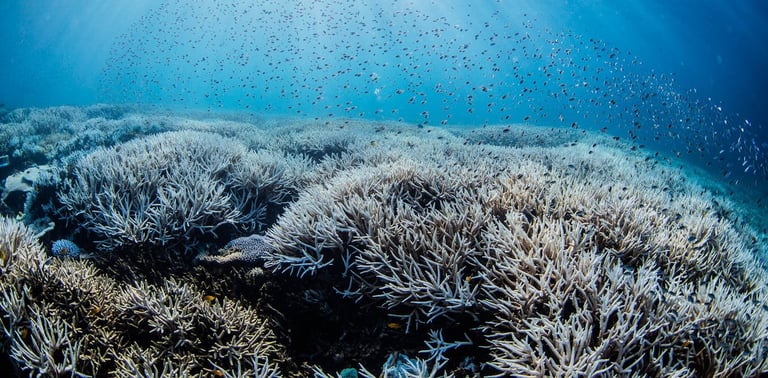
(687, 76)
(54, 51)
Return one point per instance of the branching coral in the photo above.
(45, 348)
(62, 316)
(40, 134)
(403, 234)
(533, 260)
(174, 187)
(570, 266)
(20, 252)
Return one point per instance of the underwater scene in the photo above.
(402, 188)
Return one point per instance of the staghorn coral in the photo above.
(39, 134)
(44, 348)
(63, 316)
(533, 261)
(175, 187)
(563, 258)
(39, 343)
(372, 221)
(20, 252)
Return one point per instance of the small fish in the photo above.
(209, 298)
(394, 325)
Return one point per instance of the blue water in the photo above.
(685, 77)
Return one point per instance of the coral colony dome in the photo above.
(342, 188)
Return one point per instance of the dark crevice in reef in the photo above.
(319, 327)
(131, 266)
(7, 368)
(324, 153)
(315, 324)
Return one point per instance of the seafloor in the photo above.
(149, 243)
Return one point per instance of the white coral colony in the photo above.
(533, 259)
(338, 188)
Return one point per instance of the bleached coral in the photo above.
(65, 317)
(404, 234)
(534, 260)
(39, 134)
(20, 252)
(566, 259)
(46, 348)
(174, 187)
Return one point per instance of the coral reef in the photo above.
(411, 251)
(564, 258)
(175, 188)
(41, 135)
(66, 317)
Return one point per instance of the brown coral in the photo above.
(63, 316)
